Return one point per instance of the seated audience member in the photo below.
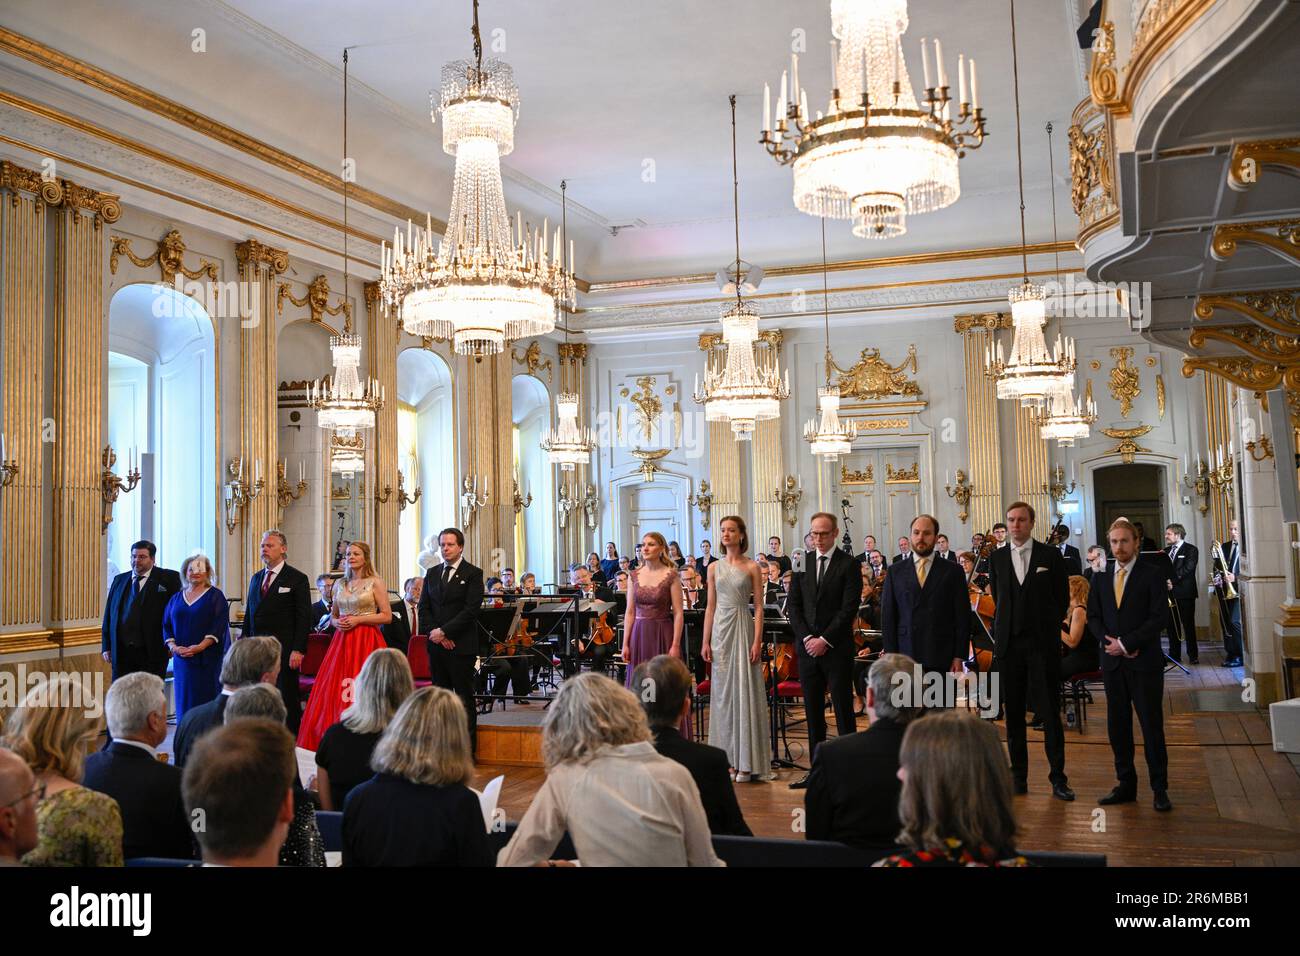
(417, 809)
(250, 660)
(508, 581)
(19, 794)
(528, 584)
(624, 563)
(691, 592)
(303, 845)
(665, 710)
(147, 791)
(955, 806)
(621, 802)
(320, 610)
(343, 760)
(240, 784)
(52, 731)
(852, 794)
(967, 561)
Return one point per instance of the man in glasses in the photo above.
(19, 794)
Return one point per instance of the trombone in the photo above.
(1218, 577)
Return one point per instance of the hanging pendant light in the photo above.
(829, 438)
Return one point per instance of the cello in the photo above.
(982, 604)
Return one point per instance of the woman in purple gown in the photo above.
(196, 629)
(654, 620)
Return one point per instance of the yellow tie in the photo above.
(1119, 586)
(922, 567)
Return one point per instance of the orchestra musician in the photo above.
(507, 663)
(1060, 539)
(594, 646)
(869, 545)
(1096, 562)
(1182, 588)
(1225, 589)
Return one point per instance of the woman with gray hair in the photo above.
(343, 758)
(196, 630)
(620, 801)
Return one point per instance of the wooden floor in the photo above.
(1236, 800)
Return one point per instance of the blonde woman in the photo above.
(1079, 651)
(343, 759)
(52, 732)
(196, 630)
(359, 610)
(620, 801)
(655, 617)
(418, 810)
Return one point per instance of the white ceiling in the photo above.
(605, 85)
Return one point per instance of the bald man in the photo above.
(18, 796)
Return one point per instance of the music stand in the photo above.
(496, 624)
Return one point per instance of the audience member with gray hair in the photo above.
(256, 700)
(853, 789)
(147, 791)
(251, 660)
(19, 793)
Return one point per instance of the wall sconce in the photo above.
(591, 505)
(1200, 484)
(521, 501)
(789, 498)
(1221, 475)
(1058, 489)
(565, 502)
(402, 499)
(1265, 448)
(961, 494)
(283, 493)
(470, 500)
(110, 484)
(238, 492)
(703, 501)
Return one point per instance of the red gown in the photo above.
(334, 690)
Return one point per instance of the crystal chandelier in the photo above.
(482, 284)
(829, 437)
(1065, 418)
(874, 156)
(347, 454)
(343, 404)
(743, 391)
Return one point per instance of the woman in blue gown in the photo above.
(196, 628)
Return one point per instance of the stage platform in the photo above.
(512, 737)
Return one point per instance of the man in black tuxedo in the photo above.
(279, 605)
(1073, 560)
(406, 615)
(853, 789)
(1182, 588)
(1230, 608)
(943, 551)
(822, 608)
(131, 636)
(904, 551)
(1128, 607)
(925, 610)
(320, 610)
(1145, 543)
(449, 610)
(868, 545)
(1030, 593)
(154, 822)
(250, 660)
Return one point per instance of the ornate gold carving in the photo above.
(1247, 158)
(169, 255)
(1150, 361)
(532, 359)
(1263, 344)
(1280, 235)
(1160, 396)
(61, 192)
(1092, 180)
(573, 352)
(252, 252)
(1125, 383)
(981, 322)
(370, 290)
(648, 405)
(880, 424)
(1128, 447)
(649, 458)
(864, 477)
(1103, 80)
(301, 385)
(1095, 365)
(316, 300)
(709, 341)
(1276, 309)
(872, 377)
(904, 476)
(772, 338)
(1245, 372)
(15, 178)
(105, 206)
(340, 492)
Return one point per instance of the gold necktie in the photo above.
(1119, 586)
(922, 567)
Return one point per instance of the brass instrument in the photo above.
(1218, 578)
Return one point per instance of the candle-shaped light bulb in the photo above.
(938, 62)
(767, 108)
(835, 66)
(794, 76)
(974, 87)
(925, 63)
(961, 78)
(784, 98)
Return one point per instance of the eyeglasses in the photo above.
(39, 790)
(821, 534)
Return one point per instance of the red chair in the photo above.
(317, 645)
(699, 702)
(417, 655)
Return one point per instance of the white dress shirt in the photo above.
(1020, 559)
(627, 806)
(153, 751)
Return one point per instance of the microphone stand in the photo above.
(846, 543)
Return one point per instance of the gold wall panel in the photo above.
(767, 474)
(984, 457)
(1031, 469)
(1218, 431)
(382, 346)
(488, 429)
(724, 475)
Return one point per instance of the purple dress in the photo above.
(652, 631)
(197, 679)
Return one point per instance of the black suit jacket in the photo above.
(455, 608)
(1137, 622)
(702, 566)
(1184, 573)
(285, 612)
(853, 789)
(319, 610)
(930, 624)
(397, 632)
(197, 722)
(950, 556)
(1073, 560)
(831, 612)
(143, 617)
(709, 767)
(154, 822)
(1039, 605)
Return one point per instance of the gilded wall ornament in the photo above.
(1160, 396)
(648, 405)
(649, 458)
(169, 255)
(1103, 80)
(873, 377)
(1128, 447)
(863, 477)
(316, 301)
(1282, 236)
(532, 360)
(981, 322)
(1125, 381)
(880, 424)
(1263, 344)
(1247, 158)
(903, 476)
(1276, 309)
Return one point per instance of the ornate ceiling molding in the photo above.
(974, 323)
(1281, 236)
(1275, 309)
(1263, 344)
(1249, 158)
(61, 192)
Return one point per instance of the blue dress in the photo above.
(197, 679)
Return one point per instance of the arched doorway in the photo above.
(426, 442)
(161, 402)
(1136, 492)
(534, 527)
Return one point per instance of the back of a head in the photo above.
(53, 728)
(957, 784)
(590, 712)
(248, 659)
(256, 701)
(891, 679)
(427, 741)
(235, 783)
(662, 685)
(130, 701)
(384, 684)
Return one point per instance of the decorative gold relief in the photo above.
(1092, 179)
(251, 252)
(1103, 80)
(865, 477)
(1150, 361)
(1280, 235)
(106, 207)
(648, 405)
(709, 341)
(1087, 392)
(1245, 372)
(15, 178)
(1095, 365)
(169, 255)
(573, 352)
(1128, 447)
(873, 377)
(316, 301)
(1160, 396)
(649, 458)
(904, 476)
(880, 424)
(1276, 309)
(1248, 158)
(532, 360)
(981, 322)
(1263, 344)
(1125, 383)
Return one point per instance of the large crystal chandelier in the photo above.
(874, 155)
(347, 454)
(740, 389)
(482, 284)
(1065, 418)
(829, 437)
(343, 404)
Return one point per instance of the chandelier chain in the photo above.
(1020, 165)
(735, 191)
(826, 314)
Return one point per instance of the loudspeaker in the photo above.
(1284, 453)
